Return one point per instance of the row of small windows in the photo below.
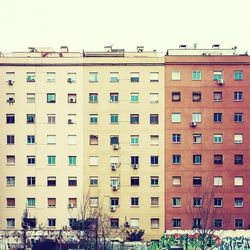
(217, 96)
(93, 77)
(218, 159)
(197, 75)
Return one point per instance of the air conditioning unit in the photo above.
(70, 121)
(135, 166)
(116, 146)
(69, 80)
(113, 166)
(115, 187)
(70, 205)
(220, 82)
(11, 100)
(112, 208)
(10, 82)
(193, 124)
(72, 100)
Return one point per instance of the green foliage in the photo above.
(135, 235)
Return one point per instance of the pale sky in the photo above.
(125, 24)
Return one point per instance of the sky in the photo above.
(124, 24)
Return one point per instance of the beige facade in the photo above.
(75, 126)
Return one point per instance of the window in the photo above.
(71, 98)
(197, 181)
(154, 160)
(114, 182)
(51, 118)
(197, 159)
(72, 160)
(113, 77)
(218, 138)
(31, 97)
(10, 98)
(154, 139)
(134, 119)
(51, 202)
(51, 222)
(72, 118)
(51, 160)
(30, 77)
(10, 160)
(217, 117)
(155, 223)
(134, 77)
(93, 181)
(72, 202)
(197, 201)
(51, 77)
(134, 139)
(154, 181)
(114, 223)
(31, 139)
(218, 181)
(217, 75)
(72, 222)
(218, 159)
(238, 202)
(154, 119)
(238, 181)
(218, 202)
(51, 98)
(72, 139)
(93, 118)
(238, 96)
(238, 117)
(134, 201)
(134, 97)
(31, 160)
(31, 181)
(51, 181)
(93, 97)
(176, 75)
(196, 117)
(134, 160)
(93, 201)
(10, 202)
(176, 159)
(114, 118)
(238, 159)
(10, 78)
(134, 181)
(154, 76)
(176, 180)
(176, 201)
(31, 118)
(238, 223)
(114, 97)
(217, 96)
(134, 223)
(93, 160)
(10, 222)
(10, 139)
(51, 139)
(114, 139)
(10, 118)
(196, 96)
(238, 138)
(71, 77)
(176, 117)
(114, 201)
(196, 75)
(31, 202)
(197, 138)
(176, 96)
(154, 97)
(197, 223)
(238, 75)
(218, 223)
(154, 201)
(10, 181)
(72, 181)
(93, 76)
(176, 223)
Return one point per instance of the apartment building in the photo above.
(78, 126)
(207, 137)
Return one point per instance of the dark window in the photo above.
(134, 160)
(154, 118)
(93, 97)
(176, 223)
(197, 159)
(134, 119)
(197, 202)
(134, 181)
(217, 96)
(218, 202)
(176, 159)
(238, 159)
(114, 139)
(10, 118)
(31, 118)
(176, 138)
(51, 181)
(197, 181)
(218, 223)
(238, 75)
(114, 223)
(217, 117)
(196, 96)
(238, 223)
(72, 181)
(51, 98)
(238, 117)
(114, 97)
(218, 159)
(31, 181)
(197, 223)
(154, 159)
(176, 96)
(10, 139)
(238, 96)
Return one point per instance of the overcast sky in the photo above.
(125, 24)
